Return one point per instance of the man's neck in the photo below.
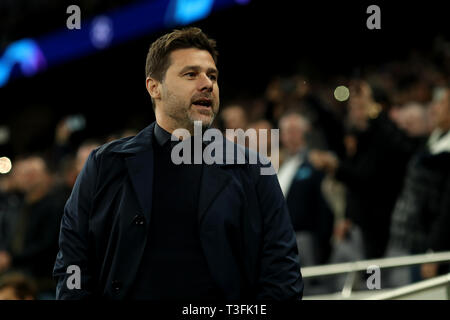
(170, 125)
(166, 125)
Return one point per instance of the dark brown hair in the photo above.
(158, 57)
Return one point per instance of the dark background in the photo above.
(321, 39)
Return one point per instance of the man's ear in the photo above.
(153, 87)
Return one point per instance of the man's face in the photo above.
(29, 174)
(234, 117)
(292, 134)
(189, 91)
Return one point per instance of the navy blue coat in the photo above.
(245, 230)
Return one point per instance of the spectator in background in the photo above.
(372, 171)
(264, 144)
(327, 128)
(66, 177)
(67, 130)
(10, 200)
(17, 286)
(32, 246)
(233, 117)
(412, 118)
(411, 86)
(69, 168)
(420, 221)
(297, 92)
(301, 185)
(83, 153)
(275, 96)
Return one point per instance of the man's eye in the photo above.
(213, 77)
(190, 74)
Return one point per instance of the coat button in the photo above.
(139, 219)
(116, 285)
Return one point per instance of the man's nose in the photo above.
(205, 83)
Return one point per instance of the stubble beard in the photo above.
(183, 114)
(192, 116)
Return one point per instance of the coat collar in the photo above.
(142, 142)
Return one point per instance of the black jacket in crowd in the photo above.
(373, 178)
(421, 219)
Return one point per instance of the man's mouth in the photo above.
(204, 102)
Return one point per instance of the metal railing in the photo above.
(415, 288)
(351, 268)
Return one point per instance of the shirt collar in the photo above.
(161, 135)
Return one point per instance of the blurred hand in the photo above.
(315, 157)
(323, 160)
(342, 229)
(5, 261)
(429, 270)
(62, 133)
(351, 145)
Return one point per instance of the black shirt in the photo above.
(173, 265)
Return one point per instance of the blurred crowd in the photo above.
(366, 176)
(32, 200)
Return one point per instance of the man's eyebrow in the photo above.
(197, 68)
(213, 70)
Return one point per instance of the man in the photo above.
(421, 216)
(140, 227)
(372, 170)
(301, 183)
(32, 243)
(261, 143)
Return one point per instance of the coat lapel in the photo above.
(139, 163)
(140, 168)
(214, 180)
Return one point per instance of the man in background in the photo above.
(32, 245)
(301, 183)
